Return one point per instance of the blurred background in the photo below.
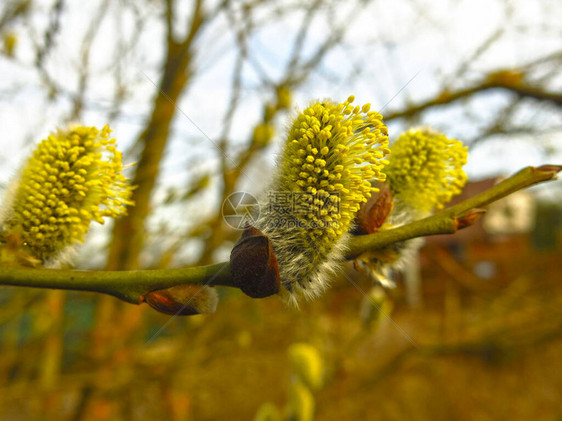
(198, 94)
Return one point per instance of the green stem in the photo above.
(447, 221)
(132, 286)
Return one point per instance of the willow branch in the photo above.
(450, 220)
(132, 286)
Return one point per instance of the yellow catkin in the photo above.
(306, 364)
(301, 404)
(73, 177)
(332, 153)
(424, 173)
(426, 169)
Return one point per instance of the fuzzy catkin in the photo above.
(425, 170)
(73, 177)
(332, 153)
(424, 173)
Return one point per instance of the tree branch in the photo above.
(129, 286)
(448, 97)
(450, 220)
(132, 286)
(128, 232)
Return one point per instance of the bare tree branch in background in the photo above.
(297, 71)
(84, 66)
(128, 232)
(12, 11)
(494, 81)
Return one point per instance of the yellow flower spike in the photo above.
(425, 169)
(73, 177)
(424, 173)
(301, 405)
(306, 364)
(326, 188)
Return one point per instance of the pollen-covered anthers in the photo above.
(332, 153)
(73, 177)
(425, 170)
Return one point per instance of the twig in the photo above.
(450, 220)
(449, 97)
(132, 286)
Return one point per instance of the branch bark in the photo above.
(132, 286)
(449, 220)
(129, 286)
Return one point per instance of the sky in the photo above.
(400, 63)
(395, 53)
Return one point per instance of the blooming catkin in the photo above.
(424, 173)
(332, 153)
(425, 169)
(73, 177)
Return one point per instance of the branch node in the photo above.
(554, 169)
(468, 218)
(253, 265)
